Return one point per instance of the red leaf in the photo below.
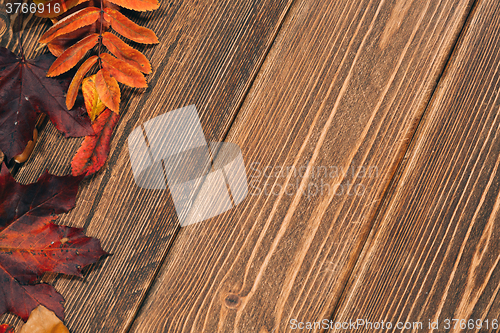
(6, 329)
(123, 51)
(123, 72)
(125, 27)
(139, 5)
(50, 195)
(25, 91)
(30, 245)
(70, 23)
(72, 55)
(95, 149)
(108, 90)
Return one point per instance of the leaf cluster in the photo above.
(88, 22)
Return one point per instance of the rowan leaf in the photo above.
(125, 27)
(108, 90)
(56, 47)
(93, 103)
(94, 150)
(62, 6)
(72, 55)
(6, 329)
(31, 245)
(123, 72)
(70, 23)
(59, 44)
(25, 91)
(123, 51)
(42, 320)
(77, 79)
(139, 5)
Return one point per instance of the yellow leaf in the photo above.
(42, 320)
(93, 103)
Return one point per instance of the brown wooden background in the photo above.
(401, 97)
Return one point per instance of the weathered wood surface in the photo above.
(434, 253)
(342, 88)
(209, 53)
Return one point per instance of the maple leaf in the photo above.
(94, 151)
(25, 91)
(31, 245)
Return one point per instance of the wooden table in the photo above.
(398, 100)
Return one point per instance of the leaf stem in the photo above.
(100, 33)
(19, 39)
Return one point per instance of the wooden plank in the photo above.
(434, 254)
(342, 89)
(209, 53)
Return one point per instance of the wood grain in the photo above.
(434, 253)
(209, 53)
(342, 89)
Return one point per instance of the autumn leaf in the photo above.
(6, 329)
(77, 79)
(25, 91)
(93, 103)
(81, 18)
(123, 51)
(139, 5)
(42, 320)
(108, 90)
(50, 195)
(31, 245)
(123, 72)
(69, 58)
(60, 44)
(63, 5)
(128, 29)
(94, 151)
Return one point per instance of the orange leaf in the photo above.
(59, 44)
(93, 103)
(61, 6)
(108, 90)
(77, 79)
(123, 51)
(72, 55)
(123, 72)
(56, 48)
(139, 5)
(42, 320)
(125, 27)
(78, 19)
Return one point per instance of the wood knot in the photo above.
(232, 301)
